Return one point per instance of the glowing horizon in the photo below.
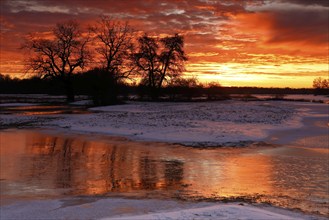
(264, 43)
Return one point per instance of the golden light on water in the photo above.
(37, 165)
(96, 168)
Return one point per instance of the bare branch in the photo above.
(115, 41)
(60, 55)
(159, 59)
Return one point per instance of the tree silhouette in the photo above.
(114, 45)
(159, 60)
(60, 55)
(321, 86)
(319, 83)
(147, 60)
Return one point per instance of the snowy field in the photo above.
(192, 123)
(133, 209)
(198, 123)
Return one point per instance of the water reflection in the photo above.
(36, 164)
(43, 110)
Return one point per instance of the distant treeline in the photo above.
(88, 84)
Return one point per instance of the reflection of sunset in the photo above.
(252, 171)
(53, 165)
(10, 145)
(88, 167)
(227, 174)
(44, 110)
(280, 43)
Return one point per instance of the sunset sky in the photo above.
(265, 43)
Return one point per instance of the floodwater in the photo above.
(36, 164)
(43, 110)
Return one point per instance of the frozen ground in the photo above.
(84, 208)
(313, 98)
(199, 123)
(203, 123)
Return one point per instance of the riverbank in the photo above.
(225, 123)
(221, 123)
(84, 208)
(313, 132)
(195, 124)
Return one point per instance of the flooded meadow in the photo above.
(37, 164)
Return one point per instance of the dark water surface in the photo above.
(40, 165)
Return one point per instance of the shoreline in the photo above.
(313, 123)
(219, 210)
(299, 125)
(191, 124)
(110, 208)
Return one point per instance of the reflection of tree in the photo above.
(173, 172)
(64, 170)
(152, 173)
(148, 174)
(97, 168)
(39, 166)
(112, 166)
(52, 156)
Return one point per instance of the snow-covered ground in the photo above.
(198, 123)
(137, 209)
(214, 212)
(208, 123)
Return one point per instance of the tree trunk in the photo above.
(154, 93)
(69, 91)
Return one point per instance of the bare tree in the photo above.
(59, 56)
(321, 86)
(115, 47)
(159, 60)
(114, 44)
(319, 83)
(147, 59)
(172, 58)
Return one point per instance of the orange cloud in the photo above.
(263, 37)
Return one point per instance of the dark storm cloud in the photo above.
(287, 21)
(306, 26)
(308, 2)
